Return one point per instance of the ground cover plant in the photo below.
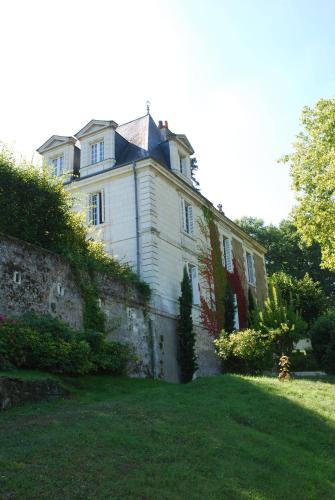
(225, 437)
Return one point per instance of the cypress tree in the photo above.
(186, 336)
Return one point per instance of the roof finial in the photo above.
(148, 107)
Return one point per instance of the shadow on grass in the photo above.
(224, 437)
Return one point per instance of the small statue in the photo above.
(284, 366)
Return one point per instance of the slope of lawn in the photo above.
(223, 437)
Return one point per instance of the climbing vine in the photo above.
(214, 277)
(218, 285)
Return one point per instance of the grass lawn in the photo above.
(217, 438)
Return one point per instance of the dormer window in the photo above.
(97, 152)
(58, 165)
(181, 165)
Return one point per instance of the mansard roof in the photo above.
(56, 140)
(141, 138)
(135, 140)
(94, 126)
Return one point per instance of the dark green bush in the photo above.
(46, 323)
(46, 343)
(25, 347)
(329, 358)
(322, 334)
(301, 361)
(107, 357)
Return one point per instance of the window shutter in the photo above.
(90, 208)
(236, 319)
(190, 219)
(183, 212)
(195, 286)
(250, 267)
(102, 206)
(228, 255)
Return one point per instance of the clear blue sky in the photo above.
(232, 75)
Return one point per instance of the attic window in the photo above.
(58, 165)
(17, 277)
(181, 166)
(60, 290)
(97, 152)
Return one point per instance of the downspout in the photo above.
(138, 270)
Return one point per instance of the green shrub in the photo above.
(329, 358)
(321, 333)
(113, 358)
(306, 294)
(46, 323)
(25, 347)
(246, 351)
(107, 357)
(302, 361)
(280, 322)
(46, 343)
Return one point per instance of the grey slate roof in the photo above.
(140, 139)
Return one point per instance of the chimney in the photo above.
(166, 125)
(160, 124)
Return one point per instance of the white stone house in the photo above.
(136, 181)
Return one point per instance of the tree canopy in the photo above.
(287, 253)
(312, 167)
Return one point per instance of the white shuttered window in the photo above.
(193, 274)
(188, 219)
(227, 254)
(250, 268)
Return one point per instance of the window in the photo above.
(193, 275)
(181, 165)
(97, 152)
(227, 254)
(60, 290)
(188, 221)
(58, 165)
(95, 208)
(250, 268)
(236, 319)
(17, 277)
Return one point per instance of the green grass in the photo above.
(217, 438)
